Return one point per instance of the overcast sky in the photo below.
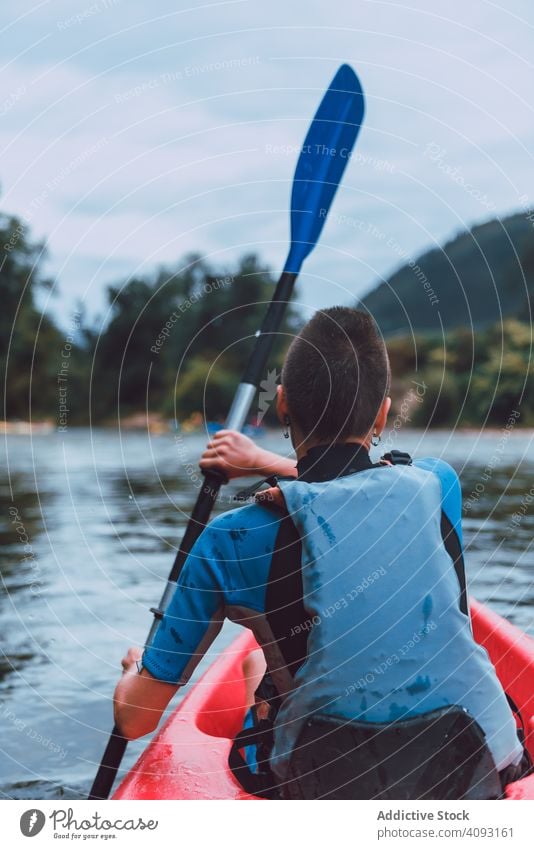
(132, 131)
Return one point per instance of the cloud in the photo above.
(146, 135)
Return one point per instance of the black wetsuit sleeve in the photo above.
(284, 602)
(451, 518)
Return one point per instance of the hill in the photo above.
(479, 277)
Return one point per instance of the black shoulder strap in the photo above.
(250, 491)
(453, 547)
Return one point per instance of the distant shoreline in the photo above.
(48, 428)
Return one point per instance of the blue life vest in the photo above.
(386, 637)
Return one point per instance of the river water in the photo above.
(90, 521)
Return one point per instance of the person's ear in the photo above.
(281, 404)
(382, 417)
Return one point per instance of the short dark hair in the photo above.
(336, 375)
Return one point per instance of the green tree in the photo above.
(166, 334)
(472, 379)
(30, 343)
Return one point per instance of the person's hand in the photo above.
(233, 453)
(129, 661)
(237, 455)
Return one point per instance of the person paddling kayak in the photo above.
(351, 576)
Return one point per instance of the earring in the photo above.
(376, 439)
(287, 426)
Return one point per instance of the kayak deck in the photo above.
(188, 757)
(512, 653)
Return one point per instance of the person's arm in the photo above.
(237, 455)
(139, 699)
(191, 622)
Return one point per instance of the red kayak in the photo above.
(187, 759)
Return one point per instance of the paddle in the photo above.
(322, 161)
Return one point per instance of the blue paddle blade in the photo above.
(323, 159)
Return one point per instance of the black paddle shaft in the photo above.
(207, 497)
(253, 374)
